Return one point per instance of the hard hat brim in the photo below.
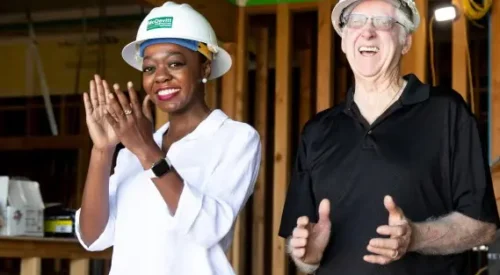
(340, 6)
(337, 12)
(220, 64)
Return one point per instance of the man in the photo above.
(392, 181)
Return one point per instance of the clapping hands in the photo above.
(112, 117)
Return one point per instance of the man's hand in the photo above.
(400, 231)
(309, 240)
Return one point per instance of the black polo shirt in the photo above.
(424, 151)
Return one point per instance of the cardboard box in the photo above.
(21, 208)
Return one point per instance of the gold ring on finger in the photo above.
(395, 254)
(128, 112)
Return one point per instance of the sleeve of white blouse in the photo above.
(106, 239)
(207, 217)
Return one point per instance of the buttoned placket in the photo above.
(368, 140)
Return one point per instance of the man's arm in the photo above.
(450, 234)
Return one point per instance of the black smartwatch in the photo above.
(159, 168)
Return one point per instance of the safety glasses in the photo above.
(357, 21)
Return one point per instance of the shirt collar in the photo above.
(207, 127)
(414, 92)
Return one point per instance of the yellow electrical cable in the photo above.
(480, 271)
(475, 11)
(472, 11)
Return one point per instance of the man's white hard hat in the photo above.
(178, 22)
(407, 6)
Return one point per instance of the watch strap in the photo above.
(150, 173)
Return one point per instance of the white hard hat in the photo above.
(407, 6)
(180, 24)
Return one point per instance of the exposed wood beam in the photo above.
(459, 54)
(241, 109)
(324, 81)
(495, 84)
(229, 84)
(282, 132)
(415, 61)
(260, 204)
(228, 105)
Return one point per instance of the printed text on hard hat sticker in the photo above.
(160, 23)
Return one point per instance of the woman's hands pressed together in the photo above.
(113, 118)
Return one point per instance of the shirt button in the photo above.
(370, 132)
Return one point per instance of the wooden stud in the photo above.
(229, 84)
(304, 58)
(241, 67)
(228, 102)
(324, 79)
(282, 132)
(415, 61)
(31, 266)
(261, 118)
(79, 267)
(459, 53)
(241, 109)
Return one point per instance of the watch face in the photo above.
(160, 168)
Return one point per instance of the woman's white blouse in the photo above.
(219, 162)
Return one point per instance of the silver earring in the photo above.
(204, 80)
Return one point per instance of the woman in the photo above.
(174, 196)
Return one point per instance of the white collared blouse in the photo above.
(219, 162)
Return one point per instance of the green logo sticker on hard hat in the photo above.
(160, 23)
